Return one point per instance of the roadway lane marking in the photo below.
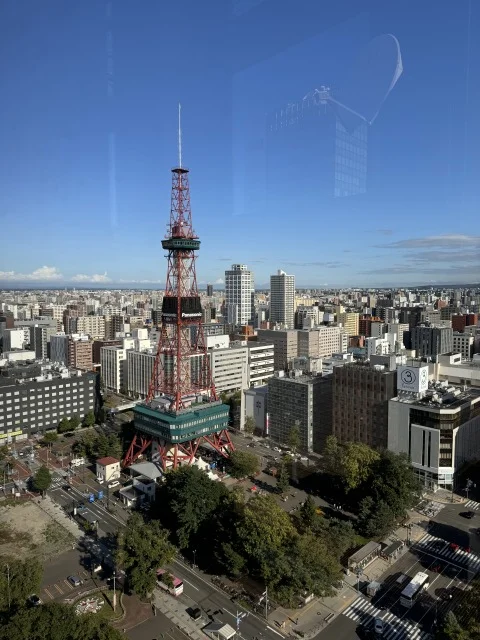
(58, 588)
(192, 585)
(70, 586)
(275, 631)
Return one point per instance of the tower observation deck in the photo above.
(181, 411)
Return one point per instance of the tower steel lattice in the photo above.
(181, 411)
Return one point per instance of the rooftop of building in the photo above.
(107, 461)
(297, 376)
(443, 395)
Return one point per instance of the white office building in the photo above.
(282, 299)
(239, 290)
(139, 372)
(463, 343)
(14, 339)
(112, 362)
(436, 424)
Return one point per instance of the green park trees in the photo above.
(89, 419)
(42, 480)
(55, 621)
(143, 547)
(242, 464)
(351, 461)
(249, 426)
(18, 580)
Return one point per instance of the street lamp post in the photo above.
(8, 586)
(194, 557)
(114, 592)
(359, 573)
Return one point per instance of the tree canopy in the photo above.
(42, 479)
(351, 461)
(64, 425)
(190, 499)
(294, 438)
(243, 463)
(54, 621)
(89, 419)
(249, 426)
(389, 491)
(24, 577)
(282, 478)
(143, 547)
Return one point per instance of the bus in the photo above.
(413, 589)
(168, 582)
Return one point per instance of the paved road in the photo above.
(199, 591)
(449, 569)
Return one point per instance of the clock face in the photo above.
(408, 376)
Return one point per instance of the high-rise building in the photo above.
(438, 429)
(463, 343)
(42, 400)
(209, 290)
(80, 352)
(296, 400)
(285, 344)
(349, 322)
(113, 367)
(430, 342)
(59, 348)
(361, 392)
(239, 290)
(13, 339)
(282, 299)
(139, 372)
(40, 336)
(93, 326)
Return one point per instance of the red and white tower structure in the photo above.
(181, 411)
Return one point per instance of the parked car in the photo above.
(67, 487)
(470, 514)
(34, 600)
(75, 581)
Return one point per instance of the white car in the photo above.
(113, 484)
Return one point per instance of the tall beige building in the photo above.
(322, 342)
(285, 344)
(349, 322)
(94, 326)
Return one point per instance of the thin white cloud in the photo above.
(447, 241)
(219, 281)
(96, 277)
(42, 274)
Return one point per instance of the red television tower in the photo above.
(181, 410)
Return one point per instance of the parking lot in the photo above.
(55, 585)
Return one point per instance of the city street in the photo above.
(156, 628)
(215, 604)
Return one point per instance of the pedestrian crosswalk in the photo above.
(444, 551)
(471, 504)
(57, 482)
(363, 611)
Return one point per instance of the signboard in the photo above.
(413, 379)
(100, 495)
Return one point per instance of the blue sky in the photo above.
(88, 130)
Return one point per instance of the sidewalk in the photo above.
(56, 513)
(175, 612)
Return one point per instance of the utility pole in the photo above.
(194, 556)
(8, 586)
(114, 592)
(266, 602)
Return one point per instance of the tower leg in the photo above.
(139, 444)
(221, 442)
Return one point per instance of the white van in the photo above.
(113, 484)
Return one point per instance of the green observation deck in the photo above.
(188, 424)
(181, 244)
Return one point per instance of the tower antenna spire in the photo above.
(179, 135)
